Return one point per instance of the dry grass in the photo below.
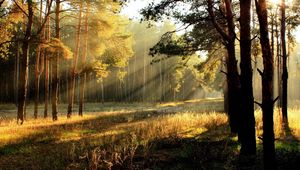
(294, 117)
(119, 133)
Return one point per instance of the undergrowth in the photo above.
(141, 138)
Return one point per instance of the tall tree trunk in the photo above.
(23, 82)
(46, 66)
(73, 68)
(247, 120)
(284, 67)
(233, 82)
(37, 82)
(267, 87)
(83, 62)
(17, 73)
(279, 65)
(144, 71)
(46, 85)
(37, 69)
(102, 91)
(55, 63)
(232, 72)
(160, 82)
(233, 87)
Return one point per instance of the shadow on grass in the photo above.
(204, 151)
(288, 150)
(46, 150)
(214, 148)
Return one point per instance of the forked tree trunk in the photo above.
(247, 120)
(267, 87)
(83, 62)
(55, 63)
(23, 82)
(74, 64)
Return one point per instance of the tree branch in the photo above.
(259, 104)
(224, 72)
(275, 99)
(260, 72)
(45, 20)
(214, 21)
(20, 8)
(254, 37)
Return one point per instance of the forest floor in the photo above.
(177, 135)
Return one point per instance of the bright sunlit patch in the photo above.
(275, 2)
(278, 2)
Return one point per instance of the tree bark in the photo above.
(233, 82)
(37, 69)
(46, 85)
(55, 63)
(247, 120)
(23, 82)
(73, 68)
(83, 62)
(267, 87)
(284, 67)
(46, 66)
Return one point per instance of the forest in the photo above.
(149, 84)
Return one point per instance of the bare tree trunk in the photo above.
(160, 82)
(46, 85)
(55, 63)
(233, 82)
(247, 128)
(144, 72)
(83, 62)
(284, 67)
(102, 92)
(279, 65)
(23, 81)
(17, 71)
(46, 67)
(73, 68)
(37, 83)
(267, 87)
(37, 70)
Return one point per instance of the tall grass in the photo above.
(294, 123)
(109, 138)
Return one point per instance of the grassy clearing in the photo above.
(180, 135)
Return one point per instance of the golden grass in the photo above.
(180, 124)
(12, 133)
(294, 124)
(187, 124)
(113, 128)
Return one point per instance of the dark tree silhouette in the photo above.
(23, 81)
(267, 86)
(247, 120)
